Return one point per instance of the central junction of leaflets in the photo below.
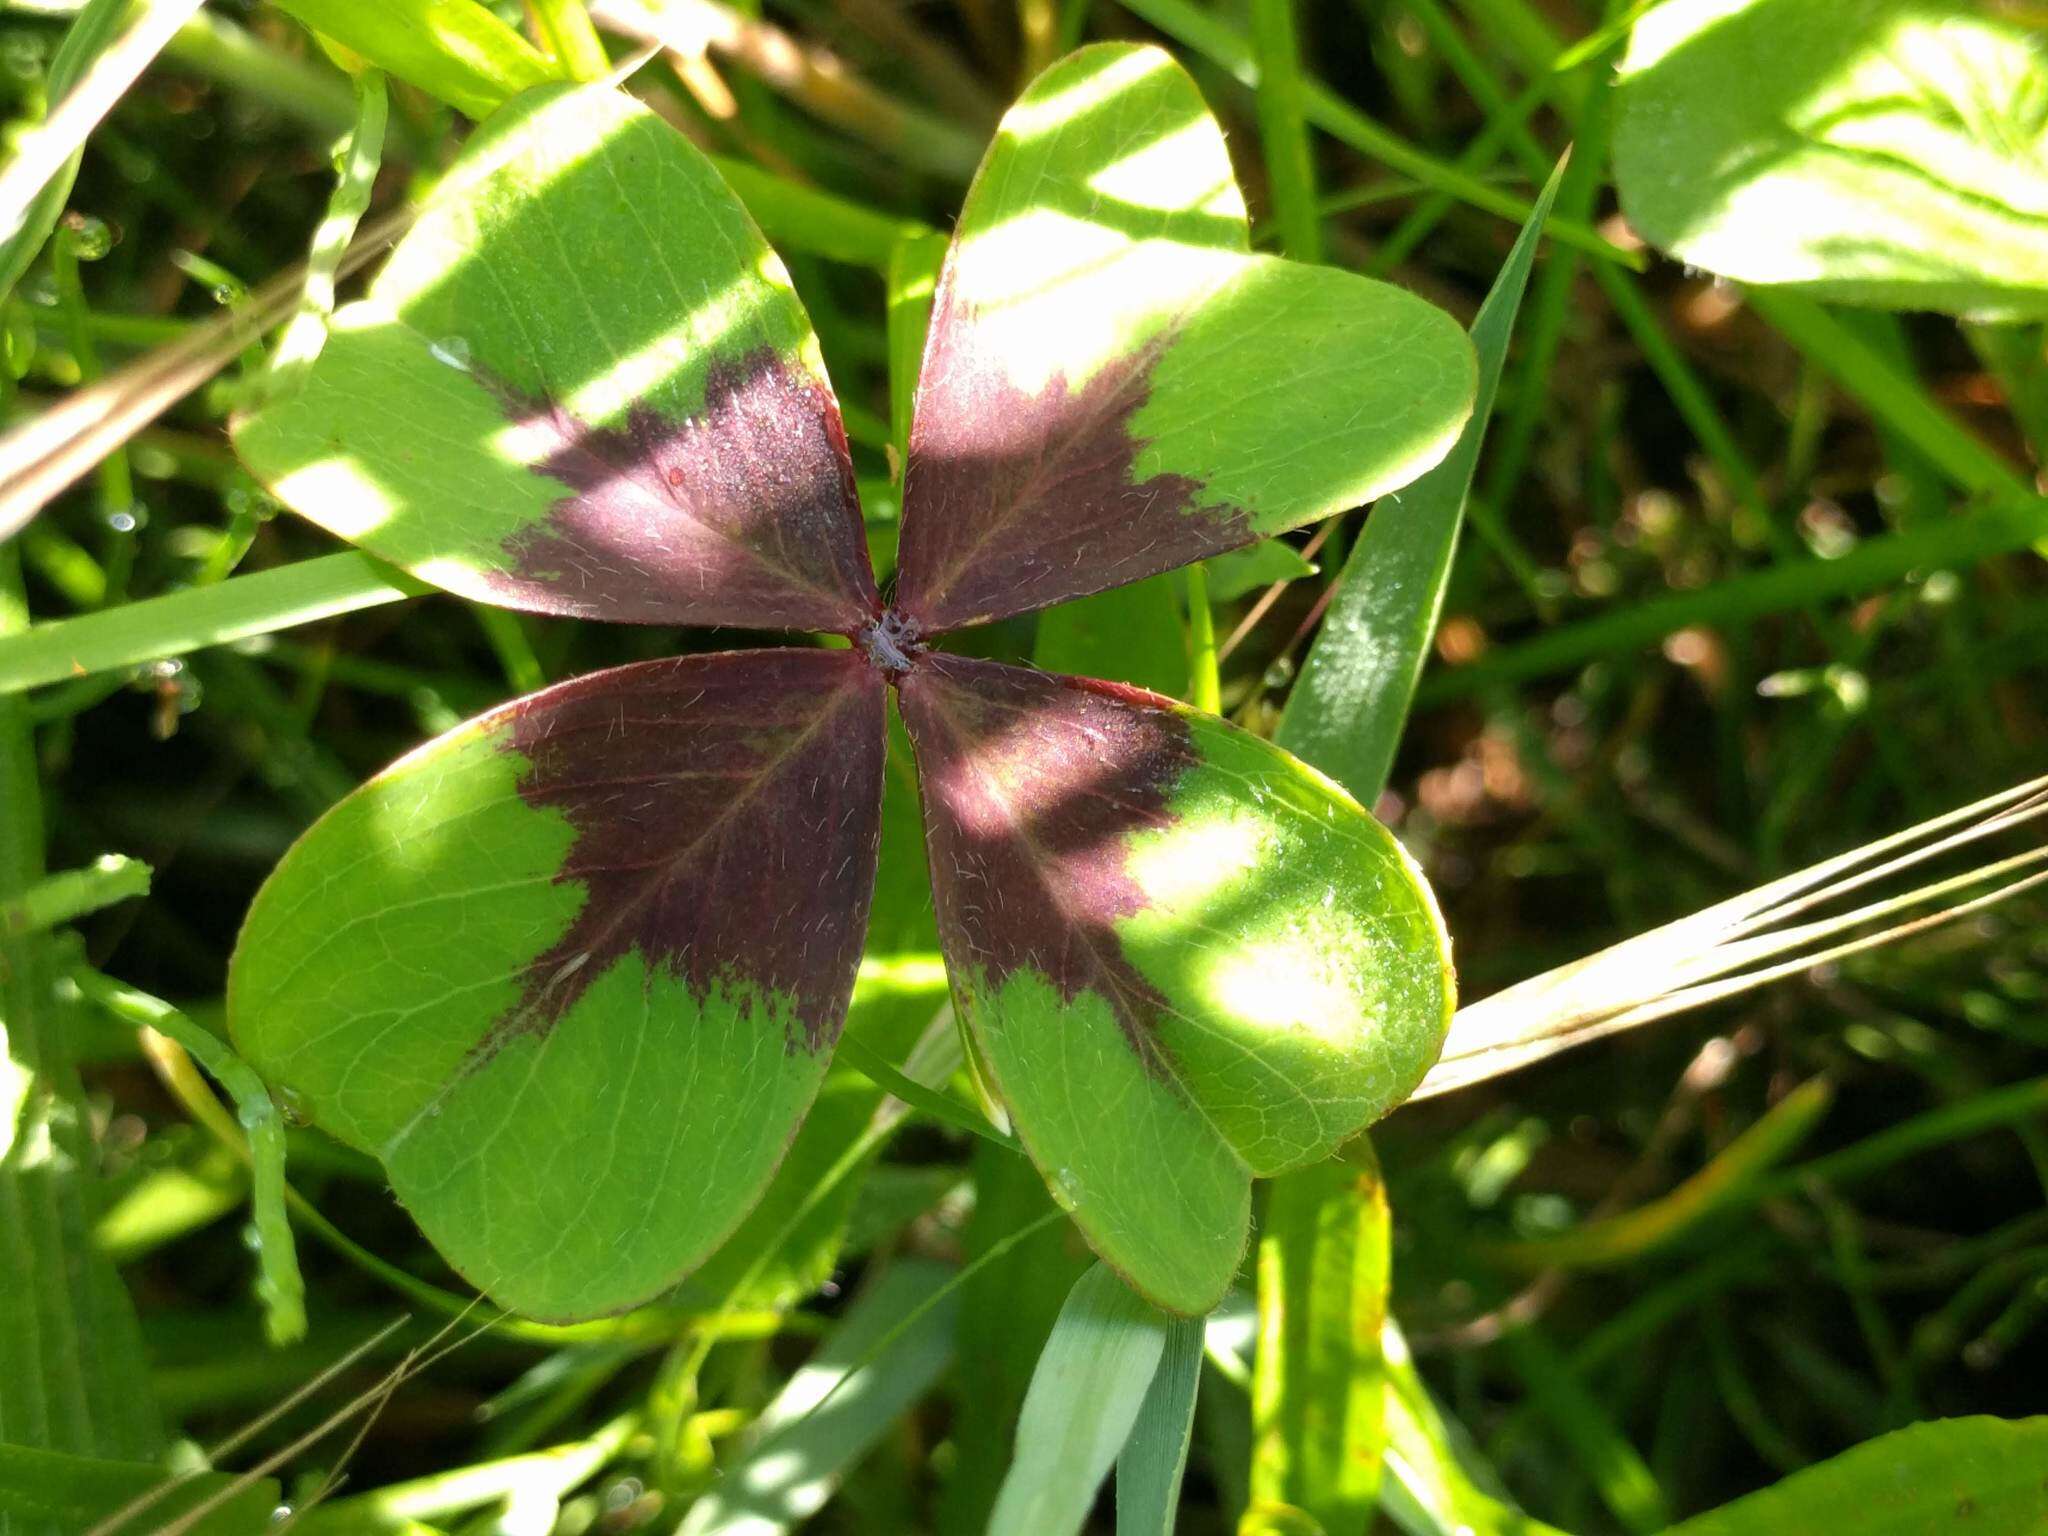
(574, 971)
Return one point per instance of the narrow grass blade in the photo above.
(63, 898)
(1007, 1311)
(1730, 1178)
(1898, 401)
(1200, 31)
(1614, 1466)
(185, 621)
(1149, 1471)
(1742, 943)
(1091, 1380)
(802, 1446)
(73, 1374)
(1290, 169)
(1319, 1380)
(1436, 1485)
(795, 217)
(85, 40)
(1980, 1475)
(48, 1490)
(1346, 712)
(50, 452)
(1967, 539)
(303, 337)
(913, 276)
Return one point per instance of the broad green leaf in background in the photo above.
(1319, 1382)
(46, 1490)
(1183, 957)
(1092, 1377)
(1346, 712)
(582, 385)
(452, 49)
(1983, 1476)
(1114, 385)
(1890, 152)
(574, 970)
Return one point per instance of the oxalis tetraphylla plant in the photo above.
(574, 970)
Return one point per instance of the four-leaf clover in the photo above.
(574, 970)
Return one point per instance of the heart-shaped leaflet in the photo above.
(574, 970)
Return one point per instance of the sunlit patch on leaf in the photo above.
(573, 970)
(1184, 958)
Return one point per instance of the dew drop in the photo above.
(90, 237)
(292, 1105)
(452, 350)
(126, 519)
(1066, 1189)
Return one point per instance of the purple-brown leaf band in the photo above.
(1015, 501)
(744, 513)
(1032, 783)
(727, 815)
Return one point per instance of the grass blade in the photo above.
(1729, 1178)
(85, 40)
(802, 1445)
(1999, 529)
(1319, 1380)
(1436, 1485)
(1148, 1473)
(185, 621)
(1290, 171)
(1214, 40)
(41, 156)
(1346, 712)
(1715, 953)
(282, 1292)
(1091, 1380)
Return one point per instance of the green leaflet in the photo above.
(502, 967)
(1114, 385)
(572, 386)
(1983, 1476)
(1184, 957)
(1873, 151)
